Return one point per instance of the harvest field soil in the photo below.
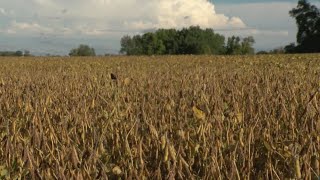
(170, 117)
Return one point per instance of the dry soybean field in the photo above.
(166, 117)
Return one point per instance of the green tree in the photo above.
(131, 46)
(247, 45)
(82, 50)
(126, 45)
(15, 53)
(291, 48)
(18, 53)
(168, 38)
(192, 40)
(233, 45)
(238, 46)
(152, 45)
(214, 42)
(137, 48)
(308, 21)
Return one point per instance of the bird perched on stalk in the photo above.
(113, 76)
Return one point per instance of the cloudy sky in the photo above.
(55, 26)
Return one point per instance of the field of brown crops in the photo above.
(173, 117)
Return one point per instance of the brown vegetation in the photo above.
(182, 117)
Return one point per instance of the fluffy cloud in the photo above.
(99, 17)
(183, 13)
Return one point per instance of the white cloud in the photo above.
(184, 13)
(5, 12)
(34, 27)
(23, 27)
(90, 17)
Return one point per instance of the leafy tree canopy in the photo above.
(308, 21)
(82, 50)
(192, 40)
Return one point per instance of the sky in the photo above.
(56, 26)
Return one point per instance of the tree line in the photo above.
(15, 53)
(192, 40)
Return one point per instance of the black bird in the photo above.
(113, 76)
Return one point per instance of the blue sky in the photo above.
(56, 26)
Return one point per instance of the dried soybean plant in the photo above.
(173, 117)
